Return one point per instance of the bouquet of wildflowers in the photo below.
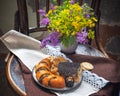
(69, 23)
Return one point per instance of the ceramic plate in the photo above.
(76, 85)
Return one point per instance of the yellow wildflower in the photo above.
(77, 18)
(57, 23)
(67, 33)
(91, 34)
(49, 12)
(92, 25)
(73, 33)
(95, 19)
(76, 7)
(65, 11)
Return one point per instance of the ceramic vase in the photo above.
(70, 49)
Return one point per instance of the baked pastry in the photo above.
(72, 72)
(47, 72)
(69, 81)
(67, 69)
(86, 66)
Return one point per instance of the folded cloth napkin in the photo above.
(24, 47)
(28, 51)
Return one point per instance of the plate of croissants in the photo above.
(57, 73)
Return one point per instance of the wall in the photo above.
(7, 10)
(110, 12)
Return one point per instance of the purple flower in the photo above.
(82, 37)
(72, 1)
(52, 7)
(44, 21)
(87, 15)
(52, 39)
(44, 42)
(42, 12)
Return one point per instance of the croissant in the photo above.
(47, 72)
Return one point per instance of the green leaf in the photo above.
(68, 41)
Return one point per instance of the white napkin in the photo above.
(27, 49)
(85, 89)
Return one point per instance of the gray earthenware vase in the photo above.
(70, 49)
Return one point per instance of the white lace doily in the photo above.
(94, 80)
(55, 51)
